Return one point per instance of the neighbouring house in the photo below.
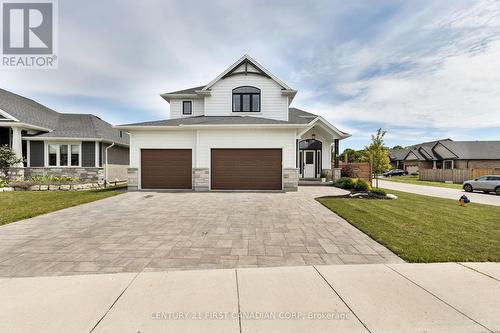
(447, 154)
(423, 152)
(237, 132)
(53, 143)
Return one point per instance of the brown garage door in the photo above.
(246, 169)
(166, 168)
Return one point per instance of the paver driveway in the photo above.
(158, 231)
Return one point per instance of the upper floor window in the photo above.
(187, 107)
(246, 99)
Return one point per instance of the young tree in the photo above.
(377, 153)
(8, 159)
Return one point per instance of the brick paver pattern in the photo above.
(154, 231)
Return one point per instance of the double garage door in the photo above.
(231, 169)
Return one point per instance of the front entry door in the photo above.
(309, 164)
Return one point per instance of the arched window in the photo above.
(246, 99)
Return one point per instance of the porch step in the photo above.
(314, 183)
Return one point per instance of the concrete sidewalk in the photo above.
(446, 297)
(440, 192)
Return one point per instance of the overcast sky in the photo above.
(422, 70)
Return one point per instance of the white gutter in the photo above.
(47, 138)
(24, 125)
(179, 127)
(106, 167)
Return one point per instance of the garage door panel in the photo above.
(246, 169)
(166, 168)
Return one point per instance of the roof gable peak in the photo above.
(247, 64)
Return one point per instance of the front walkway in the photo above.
(343, 298)
(155, 231)
(440, 192)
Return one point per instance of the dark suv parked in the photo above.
(395, 172)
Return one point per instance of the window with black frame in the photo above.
(246, 99)
(187, 107)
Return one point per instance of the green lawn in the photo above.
(425, 229)
(19, 205)
(416, 181)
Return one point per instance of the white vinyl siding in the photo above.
(158, 140)
(176, 107)
(202, 141)
(273, 104)
(245, 138)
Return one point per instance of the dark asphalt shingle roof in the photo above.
(27, 110)
(464, 150)
(295, 116)
(186, 91)
(474, 150)
(61, 125)
(398, 154)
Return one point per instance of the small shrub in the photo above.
(347, 171)
(2, 183)
(51, 179)
(361, 185)
(345, 183)
(379, 191)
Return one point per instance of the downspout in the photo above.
(106, 166)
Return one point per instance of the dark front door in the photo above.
(246, 169)
(166, 168)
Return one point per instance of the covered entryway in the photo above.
(310, 158)
(166, 168)
(246, 169)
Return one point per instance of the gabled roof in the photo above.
(54, 124)
(421, 151)
(474, 150)
(428, 144)
(398, 154)
(247, 59)
(243, 61)
(463, 150)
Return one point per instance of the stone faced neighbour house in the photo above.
(447, 154)
(53, 143)
(238, 132)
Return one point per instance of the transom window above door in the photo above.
(246, 99)
(63, 154)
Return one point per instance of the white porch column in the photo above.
(17, 143)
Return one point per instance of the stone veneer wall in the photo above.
(327, 173)
(336, 173)
(201, 179)
(133, 178)
(14, 173)
(290, 179)
(84, 174)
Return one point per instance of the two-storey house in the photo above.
(237, 132)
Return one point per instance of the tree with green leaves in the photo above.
(377, 153)
(397, 147)
(353, 156)
(8, 159)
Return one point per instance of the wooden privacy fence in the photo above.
(357, 170)
(455, 175)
